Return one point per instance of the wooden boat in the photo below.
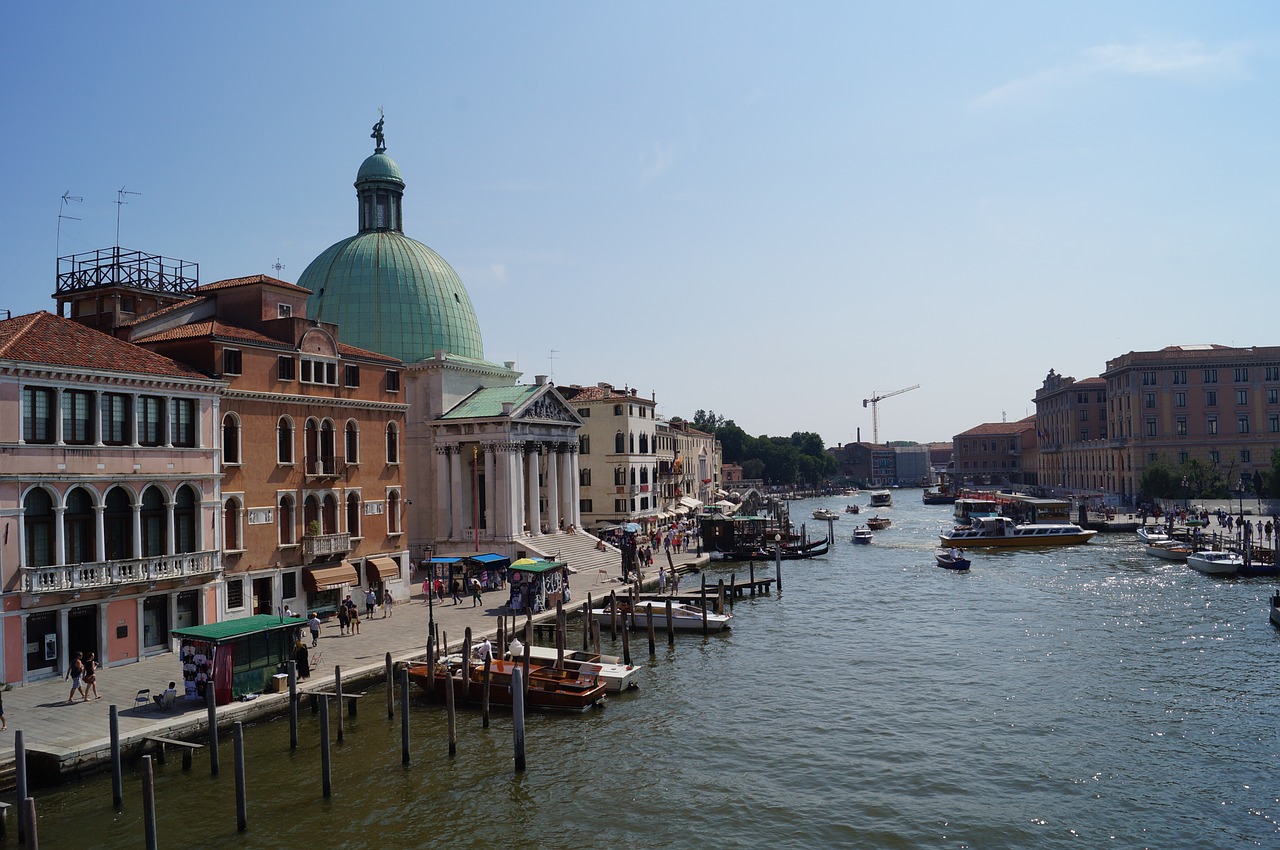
(1001, 531)
(951, 559)
(1170, 550)
(766, 553)
(825, 513)
(881, 498)
(684, 617)
(879, 523)
(549, 688)
(851, 509)
(1216, 563)
(862, 534)
(610, 669)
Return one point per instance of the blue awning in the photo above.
(444, 560)
(491, 558)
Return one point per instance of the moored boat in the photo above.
(951, 559)
(615, 675)
(549, 688)
(684, 617)
(1151, 534)
(1275, 608)
(879, 523)
(1170, 550)
(937, 497)
(1001, 531)
(1215, 563)
(825, 513)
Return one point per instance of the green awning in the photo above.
(232, 629)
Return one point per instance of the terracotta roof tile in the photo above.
(54, 341)
(988, 429)
(251, 279)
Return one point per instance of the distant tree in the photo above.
(753, 468)
(707, 420)
(1159, 481)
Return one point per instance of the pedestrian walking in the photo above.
(355, 621)
(314, 625)
(74, 673)
(426, 591)
(387, 602)
(455, 590)
(370, 602)
(91, 677)
(439, 588)
(475, 592)
(344, 619)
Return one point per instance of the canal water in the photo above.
(1080, 697)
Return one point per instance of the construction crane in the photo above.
(875, 413)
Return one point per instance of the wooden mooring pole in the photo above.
(211, 704)
(242, 791)
(326, 775)
(20, 768)
(450, 709)
(337, 689)
(117, 774)
(517, 717)
(404, 713)
(150, 840)
(391, 688)
(293, 705)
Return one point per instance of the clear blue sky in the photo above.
(770, 210)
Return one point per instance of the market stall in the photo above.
(537, 585)
(237, 656)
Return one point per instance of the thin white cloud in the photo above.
(656, 163)
(1187, 60)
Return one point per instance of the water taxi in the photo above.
(1216, 563)
(1001, 531)
(825, 513)
(881, 498)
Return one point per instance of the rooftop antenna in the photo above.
(278, 266)
(554, 352)
(67, 197)
(120, 202)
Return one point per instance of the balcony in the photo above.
(326, 545)
(108, 574)
(323, 466)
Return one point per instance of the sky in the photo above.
(772, 211)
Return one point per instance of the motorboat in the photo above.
(825, 513)
(684, 616)
(1152, 534)
(548, 687)
(951, 559)
(881, 498)
(937, 497)
(1002, 531)
(862, 534)
(1170, 550)
(879, 523)
(851, 509)
(1216, 563)
(614, 674)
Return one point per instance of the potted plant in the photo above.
(313, 528)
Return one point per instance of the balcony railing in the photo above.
(326, 545)
(72, 577)
(322, 466)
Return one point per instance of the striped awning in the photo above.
(381, 569)
(327, 577)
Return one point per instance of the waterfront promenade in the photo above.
(79, 734)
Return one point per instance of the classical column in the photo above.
(490, 493)
(59, 535)
(171, 546)
(455, 493)
(137, 531)
(568, 483)
(535, 509)
(517, 489)
(553, 488)
(100, 533)
(575, 488)
(442, 493)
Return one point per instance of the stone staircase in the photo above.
(578, 550)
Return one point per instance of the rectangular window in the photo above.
(1148, 379)
(1240, 375)
(1211, 426)
(150, 420)
(619, 506)
(584, 506)
(235, 593)
(1084, 434)
(350, 375)
(1179, 376)
(77, 417)
(1273, 396)
(1181, 426)
(1151, 427)
(182, 422)
(1149, 400)
(319, 372)
(1084, 414)
(1102, 432)
(1242, 424)
(1210, 398)
(1180, 399)
(584, 444)
(288, 581)
(286, 368)
(1182, 457)
(1273, 423)
(1214, 457)
(393, 381)
(1242, 397)
(306, 371)
(1245, 456)
(284, 311)
(1210, 376)
(117, 421)
(1152, 457)
(37, 415)
(230, 361)
(584, 413)
(1272, 373)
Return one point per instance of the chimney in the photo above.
(539, 379)
(506, 408)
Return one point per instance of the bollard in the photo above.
(613, 615)
(753, 577)
(29, 815)
(517, 717)
(648, 618)
(404, 714)
(149, 803)
(777, 563)
(586, 625)
(524, 662)
(720, 597)
(293, 705)
(671, 625)
(484, 700)
(466, 665)
(117, 774)
(626, 645)
(213, 728)
(326, 777)
(20, 767)
(595, 634)
(242, 799)
(450, 711)
(733, 587)
(560, 637)
(391, 689)
(337, 689)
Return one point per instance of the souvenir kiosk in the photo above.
(237, 656)
(537, 585)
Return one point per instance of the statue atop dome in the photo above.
(379, 141)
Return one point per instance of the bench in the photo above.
(187, 748)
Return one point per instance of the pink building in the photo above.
(109, 492)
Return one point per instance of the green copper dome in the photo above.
(387, 292)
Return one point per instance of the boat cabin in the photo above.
(967, 509)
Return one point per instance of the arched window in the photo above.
(393, 512)
(617, 410)
(311, 516)
(311, 446)
(633, 476)
(284, 440)
(644, 444)
(230, 439)
(117, 522)
(619, 443)
(37, 521)
(285, 516)
(328, 450)
(393, 443)
(352, 441)
(631, 440)
(231, 526)
(619, 476)
(353, 514)
(155, 523)
(329, 515)
(186, 531)
(644, 475)
(78, 524)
